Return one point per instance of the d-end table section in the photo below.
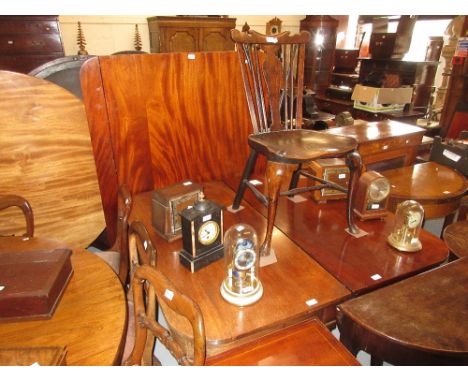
(420, 321)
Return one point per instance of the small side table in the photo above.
(438, 188)
(456, 237)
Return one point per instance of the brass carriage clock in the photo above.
(202, 234)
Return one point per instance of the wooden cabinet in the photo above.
(29, 41)
(319, 54)
(190, 34)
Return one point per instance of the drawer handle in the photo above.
(10, 42)
(385, 147)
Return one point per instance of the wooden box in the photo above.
(332, 170)
(32, 283)
(168, 202)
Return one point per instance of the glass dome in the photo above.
(409, 218)
(241, 286)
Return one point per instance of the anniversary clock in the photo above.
(241, 285)
(202, 234)
(409, 218)
(372, 194)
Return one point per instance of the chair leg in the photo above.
(276, 174)
(249, 167)
(354, 162)
(295, 177)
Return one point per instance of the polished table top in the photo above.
(90, 317)
(421, 320)
(364, 131)
(318, 347)
(295, 288)
(437, 187)
(362, 264)
(456, 238)
(426, 181)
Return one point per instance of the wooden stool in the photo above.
(309, 343)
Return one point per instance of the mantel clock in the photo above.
(372, 194)
(202, 234)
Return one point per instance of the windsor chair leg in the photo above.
(276, 175)
(354, 162)
(295, 177)
(249, 167)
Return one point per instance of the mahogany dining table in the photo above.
(361, 264)
(296, 287)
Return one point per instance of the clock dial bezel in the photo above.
(213, 236)
(381, 187)
(413, 219)
(245, 259)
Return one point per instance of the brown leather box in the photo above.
(32, 283)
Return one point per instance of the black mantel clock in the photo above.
(202, 234)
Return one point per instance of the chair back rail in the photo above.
(7, 201)
(272, 73)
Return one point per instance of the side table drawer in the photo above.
(373, 147)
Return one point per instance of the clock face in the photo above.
(413, 219)
(208, 232)
(379, 189)
(244, 259)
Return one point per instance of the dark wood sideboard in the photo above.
(29, 41)
(190, 33)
